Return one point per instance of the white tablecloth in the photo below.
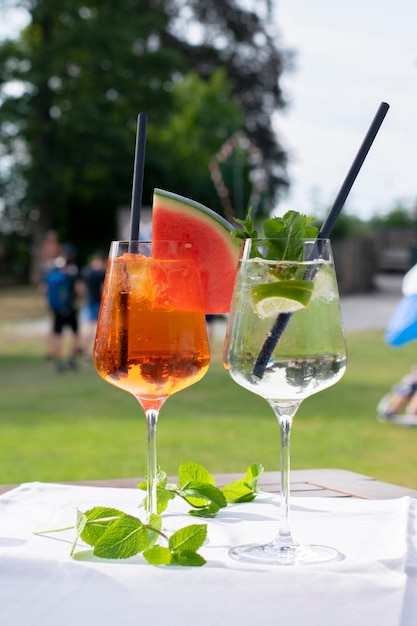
(376, 583)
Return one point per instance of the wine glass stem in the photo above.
(151, 421)
(284, 528)
(285, 413)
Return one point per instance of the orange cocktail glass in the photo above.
(151, 337)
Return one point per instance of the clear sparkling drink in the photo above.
(311, 332)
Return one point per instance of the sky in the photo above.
(350, 55)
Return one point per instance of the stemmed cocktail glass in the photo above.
(151, 337)
(285, 342)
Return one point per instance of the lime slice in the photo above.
(283, 296)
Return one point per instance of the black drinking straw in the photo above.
(135, 210)
(324, 233)
(340, 200)
(137, 186)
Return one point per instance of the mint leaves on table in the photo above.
(198, 488)
(244, 489)
(114, 534)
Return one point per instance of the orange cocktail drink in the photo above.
(151, 337)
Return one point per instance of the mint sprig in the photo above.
(288, 229)
(284, 235)
(182, 548)
(245, 489)
(283, 243)
(114, 534)
(198, 488)
(248, 228)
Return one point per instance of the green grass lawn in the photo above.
(75, 426)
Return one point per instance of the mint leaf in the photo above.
(163, 496)
(189, 538)
(238, 491)
(124, 538)
(97, 521)
(161, 480)
(198, 488)
(195, 473)
(288, 229)
(199, 495)
(79, 527)
(154, 528)
(208, 511)
(248, 228)
(291, 226)
(186, 558)
(253, 473)
(164, 492)
(158, 555)
(244, 489)
(182, 548)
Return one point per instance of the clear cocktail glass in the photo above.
(285, 342)
(151, 337)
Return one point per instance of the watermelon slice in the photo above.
(179, 219)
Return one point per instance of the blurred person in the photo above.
(50, 250)
(402, 398)
(93, 278)
(69, 252)
(62, 289)
(401, 401)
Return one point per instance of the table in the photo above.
(307, 483)
(374, 524)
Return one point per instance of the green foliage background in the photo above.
(77, 427)
(73, 83)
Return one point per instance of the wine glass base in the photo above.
(273, 554)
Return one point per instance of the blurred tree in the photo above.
(83, 75)
(348, 225)
(244, 43)
(72, 84)
(400, 216)
(204, 115)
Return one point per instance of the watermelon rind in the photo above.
(189, 202)
(217, 283)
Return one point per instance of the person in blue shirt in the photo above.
(62, 287)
